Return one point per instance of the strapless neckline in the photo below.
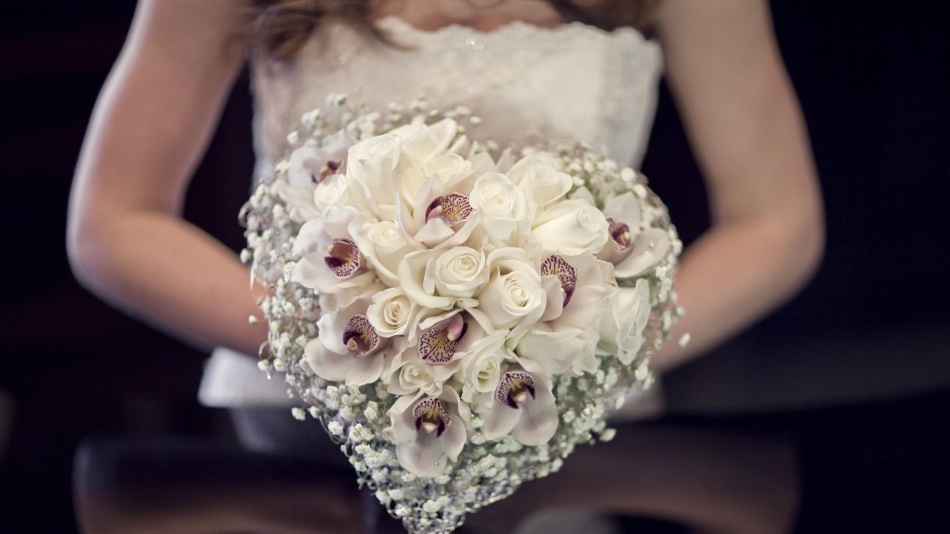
(403, 31)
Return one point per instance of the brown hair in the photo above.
(280, 27)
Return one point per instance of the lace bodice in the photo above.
(524, 81)
(573, 81)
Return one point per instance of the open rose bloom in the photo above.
(459, 318)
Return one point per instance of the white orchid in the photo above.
(309, 166)
(633, 253)
(442, 215)
(583, 287)
(503, 208)
(621, 328)
(429, 432)
(522, 406)
(348, 348)
(330, 261)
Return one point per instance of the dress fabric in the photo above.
(525, 82)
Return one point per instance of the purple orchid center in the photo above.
(430, 416)
(343, 258)
(452, 209)
(620, 233)
(514, 388)
(328, 169)
(359, 336)
(438, 344)
(565, 272)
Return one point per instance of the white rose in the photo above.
(531, 419)
(541, 178)
(420, 144)
(419, 271)
(391, 312)
(415, 376)
(459, 272)
(409, 375)
(447, 168)
(384, 244)
(329, 192)
(423, 142)
(369, 174)
(571, 227)
(514, 297)
(482, 364)
(503, 207)
(621, 327)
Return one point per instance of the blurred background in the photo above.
(856, 370)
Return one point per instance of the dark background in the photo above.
(855, 370)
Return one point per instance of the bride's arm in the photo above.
(746, 129)
(127, 241)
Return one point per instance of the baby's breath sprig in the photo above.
(358, 418)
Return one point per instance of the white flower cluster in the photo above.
(459, 322)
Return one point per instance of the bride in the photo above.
(572, 68)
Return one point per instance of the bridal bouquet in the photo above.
(459, 323)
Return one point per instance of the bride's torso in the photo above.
(523, 80)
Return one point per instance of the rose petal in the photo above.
(327, 364)
(434, 232)
(586, 308)
(624, 208)
(553, 352)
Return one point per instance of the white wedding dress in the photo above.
(573, 81)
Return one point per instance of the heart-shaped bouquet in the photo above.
(459, 318)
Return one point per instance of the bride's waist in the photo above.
(232, 379)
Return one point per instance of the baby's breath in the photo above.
(358, 418)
